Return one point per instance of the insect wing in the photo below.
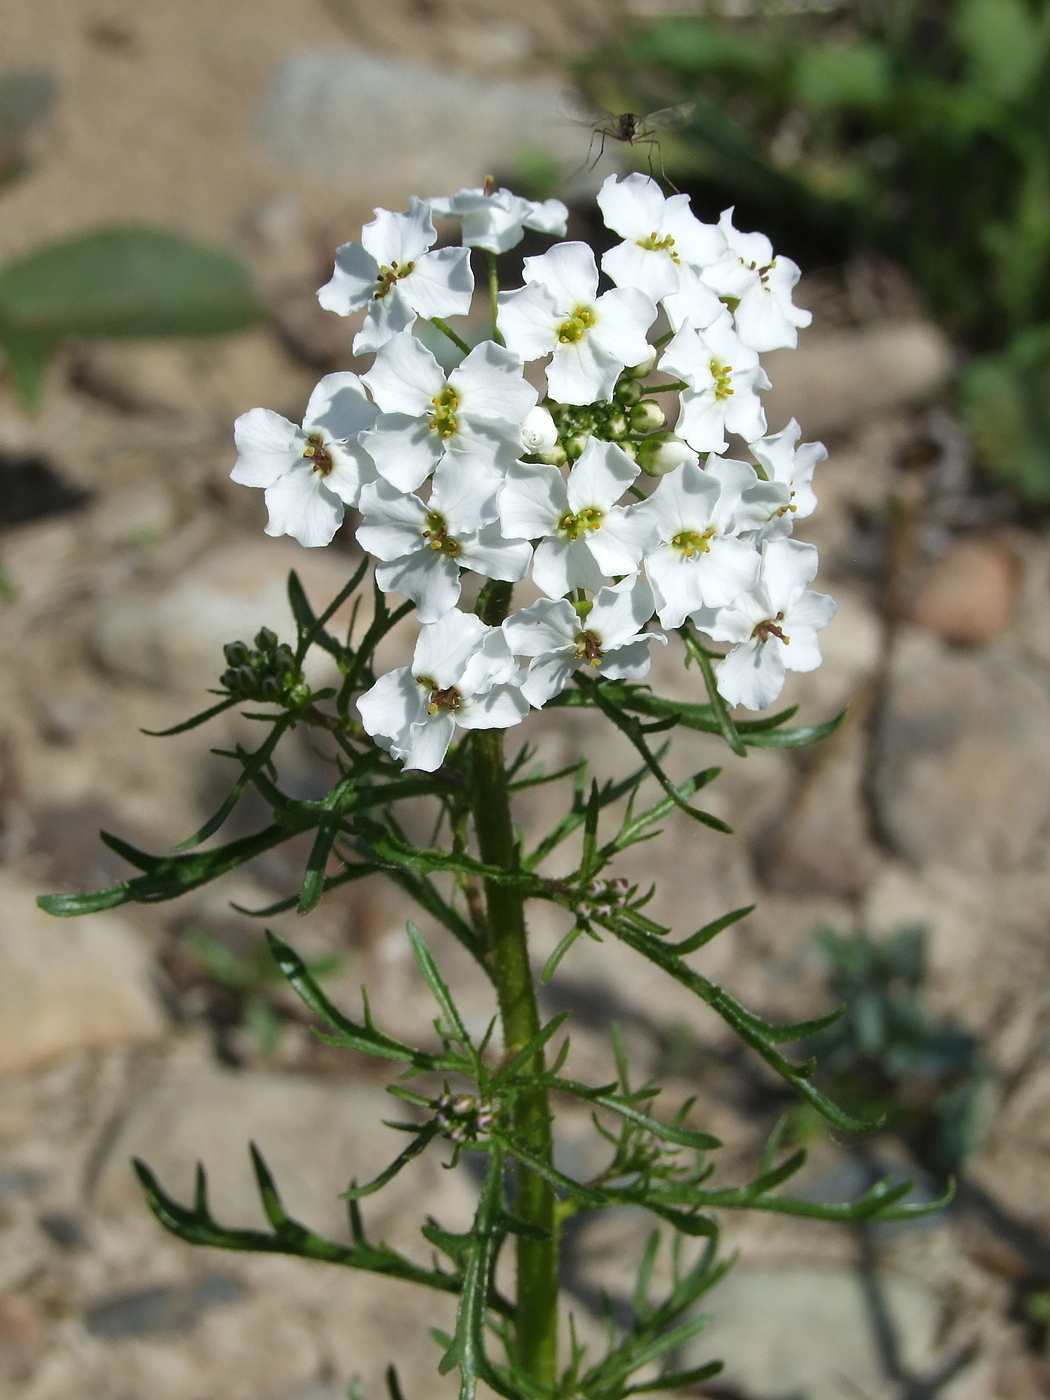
(666, 119)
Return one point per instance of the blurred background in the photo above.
(175, 179)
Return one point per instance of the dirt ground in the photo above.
(930, 806)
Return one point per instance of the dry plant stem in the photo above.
(536, 1316)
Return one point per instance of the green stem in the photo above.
(445, 329)
(536, 1314)
(494, 296)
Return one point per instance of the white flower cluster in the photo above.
(464, 470)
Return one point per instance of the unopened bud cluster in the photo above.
(604, 897)
(463, 1117)
(267, 672)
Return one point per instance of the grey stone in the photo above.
(316, 1138)
(385, 127)
(68, 985)
(832, 382)
(171, 636)
(962, 774)
(163, 1309)
(808, 1330)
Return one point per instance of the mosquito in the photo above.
(634, 129)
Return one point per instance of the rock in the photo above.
(832, 382)
(172, 636)
(809, 1330)
(374, 129)
(962, 773)
(22, 1337)
(316, 1138)
(970, 594)
(164, 1308)
(138, 513)
(820, 844)
(68, 985)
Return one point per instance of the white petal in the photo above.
(697, 244)
(405, 449)
(630, 662)
(633, 207)
(701, 421)
(532, 502)
(466, 492)
(352, 468)
(388, 316)
(619, 544)
(539, 432)
(548, 675)
(620, 612)
(444, 648)
(548, 625)
(429, 578)
(761, 323)
(551, 216)
(489, 383)
(694, 304)
(787, 567)
(623, 317)
(405, 377)
(353, 282)
(441, 284)
(497, 708)
(393, 704)
(648, 270)
(528, 321)
(393, 522)
(751, 675)
(813, 610)
(582, 372)
(399, 238)
(427, 743)
(340, 406)
(600, 476)
(487, 552)
(569, 273)
(267, 446)
(729, 568)
(559, 566)
(300, 505)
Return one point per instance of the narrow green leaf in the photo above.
(720, 709)
(525, 1055)
(253, 763)
(193, 722)
(709, 931)
(417, 1146)
(551, 965)
(439, 989)
(678, 1380)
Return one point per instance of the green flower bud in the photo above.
(617, 426)
(575, 445)
(230, 680)
(647, 417)
(266, 640)
(236, 653)
(642, 370)
(628, 391)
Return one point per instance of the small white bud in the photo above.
(539, 431)
(646, 367)
(647, 417)
(659, 458)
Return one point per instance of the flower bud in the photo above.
(575, 445)
(630, 448)
(647, 417)
(236, 653)
(556, 457)
(617, 426)
(230, 680)
(270, 689)
(265, 640)
(245, 679)
(645, 368)
(628, 391)
(539, 431)
(659, 456)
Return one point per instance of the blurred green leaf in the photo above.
(116, 282)
(1003, 43)
(842, 75)
(1006, 404)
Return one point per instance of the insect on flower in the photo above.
(635, 129)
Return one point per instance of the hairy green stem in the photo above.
(536, 1313)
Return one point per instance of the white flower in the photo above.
(392, 272)
(723, 375)
(765, 317)
(539, 432)
(310, 474)
(462, 673)
(474, 416)
(497, 219)
(661, 236)
(425, 546)
(694, 303)
(593, 337)
(791, 467)
(775, 626)
(584, 536)
(609, 641)
(693, 557)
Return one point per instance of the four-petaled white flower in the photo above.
(608, 641)
(761, 283)
(693, 556)
(791, 467)
(474, 416)
(393, 273)
(309, 474)
(724, 376)
(425, 546)
(775, 625)
(497, 219)
(462, 673)
(584, 535)
(661, 236)
(593, 338)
